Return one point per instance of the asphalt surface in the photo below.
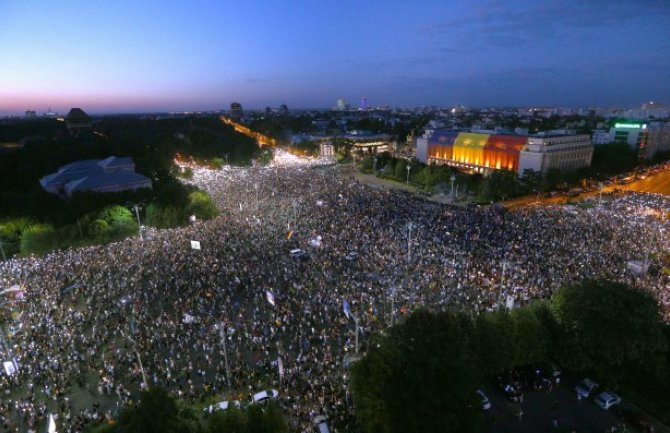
(658, 183)
(540, 410)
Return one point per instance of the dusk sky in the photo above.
(131, 56)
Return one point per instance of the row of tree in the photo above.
(421, 375)
(24, 236)
(158, 412)
(608, 160)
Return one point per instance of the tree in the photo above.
(232, 420)
(38, 239)
(157, 412)
(201, 205)
(609, 328)
(418, 377)
(164, 216)
(530, 343)
(500, 184)
(493, 342)
(400, 170)
(120, 222)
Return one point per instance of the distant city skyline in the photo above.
(125, 56)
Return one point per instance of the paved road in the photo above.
(658, 183)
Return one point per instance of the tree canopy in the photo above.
(610, 329)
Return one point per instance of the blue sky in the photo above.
(121, 56)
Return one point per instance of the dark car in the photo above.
(299, 254)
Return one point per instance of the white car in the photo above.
(607, 399)
(585, 388)
(486, 403)
(262, 396)
(222, 405)
(321, 423)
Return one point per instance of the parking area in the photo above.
(546, 410)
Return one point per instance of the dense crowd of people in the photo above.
(98, 324)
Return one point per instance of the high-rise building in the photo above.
(341, 104)
(283, 110)
(30, 113)
(364, 103)
(236, 110)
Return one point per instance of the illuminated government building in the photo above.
(483, 153)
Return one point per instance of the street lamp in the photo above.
(409, 241)
(408, 169)
(452, 179)
(136, 207)
(222, 331)
(374, 164)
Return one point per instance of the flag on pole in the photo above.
(270, 297)
(51, 428)
(346, 308)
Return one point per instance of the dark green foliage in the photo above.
(500, 185)
(267, 418)
(611, 159)
(10, 234)
(610, 329)
(400, 169)
(164, 216)
(38, 239)
(201, 205)
(418, 378)
(156, 413)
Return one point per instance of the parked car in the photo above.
(222, 405)
(299, 254)
(607, 399)
(585, 388)
(321, 424)
(266, 395)
(486, 403)
(550, 372)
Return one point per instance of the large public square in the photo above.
(93, 324)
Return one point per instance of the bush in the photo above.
(38, 239)
(163, 217)
(10, 235)
(201, 205)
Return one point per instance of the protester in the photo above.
(90, 315)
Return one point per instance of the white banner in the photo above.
(270, 297)
(509, 302)
(52, 425)
(195, 245)
(280, 367)
(10, 368)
